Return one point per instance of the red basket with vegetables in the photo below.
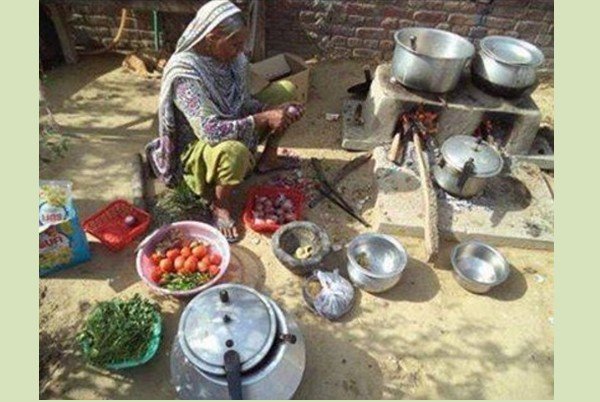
(183, 258)
(268, 207)
(117, 224)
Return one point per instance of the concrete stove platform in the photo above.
(461, 112)
(515, 209)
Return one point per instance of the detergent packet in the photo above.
(63, 243)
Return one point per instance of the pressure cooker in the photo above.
(465, 165)
(235, 343)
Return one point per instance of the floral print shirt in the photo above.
(199, 121)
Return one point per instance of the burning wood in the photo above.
(417, 121)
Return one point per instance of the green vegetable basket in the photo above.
(150, 352)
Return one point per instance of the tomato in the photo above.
(186, 252)
(172, 254)
(203, 266)
(179, 262)
(213, 270)
(166, 265)
(156, 275)
(191, 264)
(200, 251)
(215, 259)
(155, 258)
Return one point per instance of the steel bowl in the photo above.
(478, 267)
(386, 261)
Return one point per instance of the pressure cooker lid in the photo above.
(459, 149)
(227, 317)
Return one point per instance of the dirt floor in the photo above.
(425, 338)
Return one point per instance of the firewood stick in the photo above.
(430, 201)
(395, 149)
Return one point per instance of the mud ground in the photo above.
(425, 338)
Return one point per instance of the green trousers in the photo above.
(229, 162)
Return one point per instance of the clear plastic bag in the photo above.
(336, 296)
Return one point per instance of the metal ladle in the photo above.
(413, 42)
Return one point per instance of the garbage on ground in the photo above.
(121, 333)
(329, 294)
(332, 116)
(62, 240)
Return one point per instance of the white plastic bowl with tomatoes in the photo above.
(172, 268)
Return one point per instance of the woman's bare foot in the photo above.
(221, 215)
(225, 224)
(271, 161)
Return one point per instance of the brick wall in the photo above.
(344, 29)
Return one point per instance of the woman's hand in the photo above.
(294, 109)
(275, 120)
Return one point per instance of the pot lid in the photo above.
(512, 51)
(459, 149)
(227, 317)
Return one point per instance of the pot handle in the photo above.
(467, 171)
(233, 374)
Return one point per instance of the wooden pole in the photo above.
(430, 201)
(67, 45)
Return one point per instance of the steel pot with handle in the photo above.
(465, 165)
(506, 66)
(430, 59)
(234, 343)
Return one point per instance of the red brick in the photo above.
(360, 8)
(430, 16)
(534, 15)
(405, 24)
(460, 6)
(462, 19)
(356, 20)
(342, 30)
(338, 41)
(397, 12)
(500, 23)
(389, 23)
(354, 42)
(340, 53)
(531, 27)
(366, 53)
(544, 40)
(371, 43)
(386, 45)
(426, 4)
(508, 12)
(370, 33)
(460, 30)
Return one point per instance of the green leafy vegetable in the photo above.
(118, 331)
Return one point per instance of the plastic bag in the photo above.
(336, 296)
(63, 243)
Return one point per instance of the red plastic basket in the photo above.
(108, 224)
(295, 196)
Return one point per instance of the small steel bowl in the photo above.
(386, 257)
(478, 267)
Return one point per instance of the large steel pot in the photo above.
(234, 343)
(506, 66)
(430, 59)
(466, 164)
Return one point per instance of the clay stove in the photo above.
(515, 209)
(462, 111)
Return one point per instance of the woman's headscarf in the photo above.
(224, 83)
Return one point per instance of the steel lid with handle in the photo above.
(481, 159)
(224, 319)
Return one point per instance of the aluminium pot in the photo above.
(235, 343)
(465, 165)
(506, 66)
(430, 59)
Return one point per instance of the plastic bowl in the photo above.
(196, 230)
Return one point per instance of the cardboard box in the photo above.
(285, 66)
